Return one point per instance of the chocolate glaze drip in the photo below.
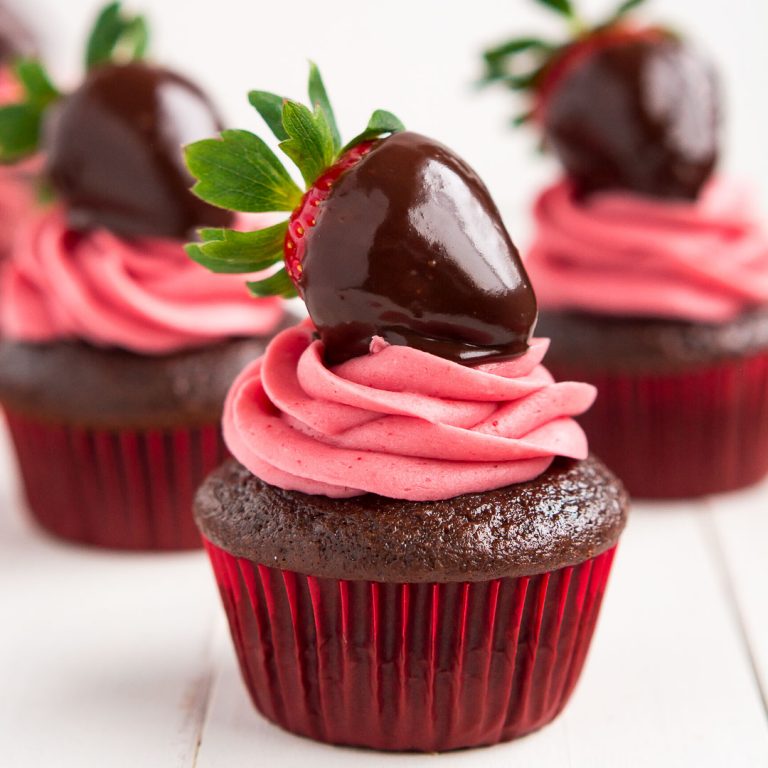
(114, 152)
(641, 115)
(15, 39)
(411, 247)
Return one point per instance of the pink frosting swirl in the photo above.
(623, 254)
(143, 295)
(399, 422)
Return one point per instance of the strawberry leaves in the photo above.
(270, 107)
(521, 64)
(563, 7)
(381, 122)
(319, 101)
(310, 139)
(279, 284)
(116, 36)
(240, 172)
(20, 123)
(625, 8)
(228, 251)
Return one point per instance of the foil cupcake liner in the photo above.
(680, 435)
(120, 489)
(410, 667)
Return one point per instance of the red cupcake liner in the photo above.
(680, 435)
(122, 489)
(427, 667)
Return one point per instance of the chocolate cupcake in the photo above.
(411, 541)
(117, 350)
(17, 182)
(651, 271)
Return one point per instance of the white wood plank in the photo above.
(235, 735)
(104, 658)
(668, 683)
(740, 533)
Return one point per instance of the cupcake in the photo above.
(17, 192)
(411, 541)
(651, 270)
(117, 350)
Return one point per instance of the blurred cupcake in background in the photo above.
(651, 270)
(412, 542)
(118, 350)
(17, 180)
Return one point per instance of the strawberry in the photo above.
(621, 105)
(113, 152)
(304, 217)
(112, 146)
(395, 236)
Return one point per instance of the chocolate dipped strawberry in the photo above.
(623, 106)
(113, 145)
(395, 237)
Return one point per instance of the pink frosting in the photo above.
(17, 201)
(142, 295)
(399, 422)
(628, 255)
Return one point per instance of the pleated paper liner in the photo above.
(680, 435)
(121, 489)
(427, 667)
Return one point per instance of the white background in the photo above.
(111, 660)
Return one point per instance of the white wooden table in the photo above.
(122, 660)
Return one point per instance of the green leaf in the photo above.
(525, 81)
(498, 60)
(626, 7)
(270, 107)
(563, 7)
(310, 142)
(518, 45)
(279, 284)
(381, 122)
(135, 38)
(232, 252)
(104, 35)
(522, 119)
(240, 172)
(19, 131)
(318, 98)
(37, 86)
(115, 33)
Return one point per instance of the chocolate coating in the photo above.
(570, 513)
(640, 115)
(15, 39)
(114, 152)
(604, 343)
(411, 247)
(79, 384)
